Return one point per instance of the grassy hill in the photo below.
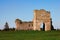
(29, 35)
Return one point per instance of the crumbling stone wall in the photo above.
(20, 25)
(41, 16)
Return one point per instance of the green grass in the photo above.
(29, 35)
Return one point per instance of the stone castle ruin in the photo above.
(20, 25)
(40, 16)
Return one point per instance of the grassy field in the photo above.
(29, 35)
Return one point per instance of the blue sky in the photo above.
(23, 9)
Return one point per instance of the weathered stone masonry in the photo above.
(40, 16)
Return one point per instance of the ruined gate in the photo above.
(41, 16)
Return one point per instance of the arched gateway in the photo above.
(39, 17)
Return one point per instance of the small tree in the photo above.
(6, 26)
(52, 27)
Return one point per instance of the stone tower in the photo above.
(41, 16)
(18, 22)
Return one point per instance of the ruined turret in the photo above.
(18, 22)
